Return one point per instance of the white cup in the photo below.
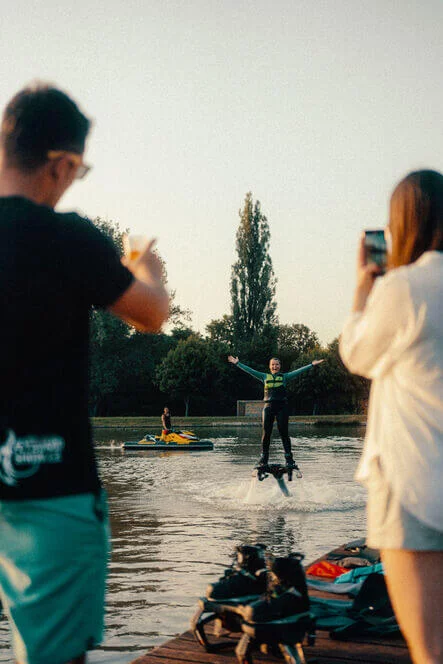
(134, 245)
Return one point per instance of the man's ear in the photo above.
(61, 168)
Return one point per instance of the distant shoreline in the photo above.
(232, 421)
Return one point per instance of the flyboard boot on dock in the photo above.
(278, 620)
(244, 581)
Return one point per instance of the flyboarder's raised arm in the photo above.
(259, 375)
(292, 374)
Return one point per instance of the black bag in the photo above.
(371, 611)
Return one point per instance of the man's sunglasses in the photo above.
(82, 169)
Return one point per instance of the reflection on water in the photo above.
(176, 517)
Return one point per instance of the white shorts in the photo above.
(390, 525)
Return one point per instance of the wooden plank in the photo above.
(187, 643)
(185, 649)
(327, 649)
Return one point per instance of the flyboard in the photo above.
(278, 471)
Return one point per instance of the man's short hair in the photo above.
(40, 118)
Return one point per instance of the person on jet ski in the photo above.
(166, 423)
(275, 405)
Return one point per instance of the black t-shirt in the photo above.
(53, 268)
(166, 421)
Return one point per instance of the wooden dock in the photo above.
(389, 649)
(184, 648)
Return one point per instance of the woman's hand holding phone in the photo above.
(375, 247)
(366, 275)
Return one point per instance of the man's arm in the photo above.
(142, 305)
(145, 304)
(132, 290)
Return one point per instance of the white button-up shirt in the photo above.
(397, 341)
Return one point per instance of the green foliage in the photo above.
(109, 336)
(294, 340)
(178, 317)
(122, 367)
(222, 329)
(181, 333)
(137, 374)
(252, 280)
(112, 230)
(258, 351)
(137, 392)
(123, 361)
(328, 387)
(193, 368)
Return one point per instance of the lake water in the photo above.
(176, 517)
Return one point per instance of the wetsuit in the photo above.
(276, 406)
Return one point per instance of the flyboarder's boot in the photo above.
(292, 466)
(244, 579)
(262, 466)
(263, 461)
(281, 618)
(287, 593)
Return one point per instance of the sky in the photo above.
(318, 107)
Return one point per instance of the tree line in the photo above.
(138, 374)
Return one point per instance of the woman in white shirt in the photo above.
(395, 337)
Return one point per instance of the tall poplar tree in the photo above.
(252, 277)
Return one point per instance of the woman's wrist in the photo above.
(366, 276)
(360, 299)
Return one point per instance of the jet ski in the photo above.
(174, 440)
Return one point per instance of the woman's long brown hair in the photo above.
(416, 217)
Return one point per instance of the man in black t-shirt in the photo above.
(53, 268)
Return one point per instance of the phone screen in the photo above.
(375, 245)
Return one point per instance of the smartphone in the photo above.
(375, 247)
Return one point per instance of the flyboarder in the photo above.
(275, 405)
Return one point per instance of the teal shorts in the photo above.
(53, 560)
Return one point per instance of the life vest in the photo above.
(275, 388)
